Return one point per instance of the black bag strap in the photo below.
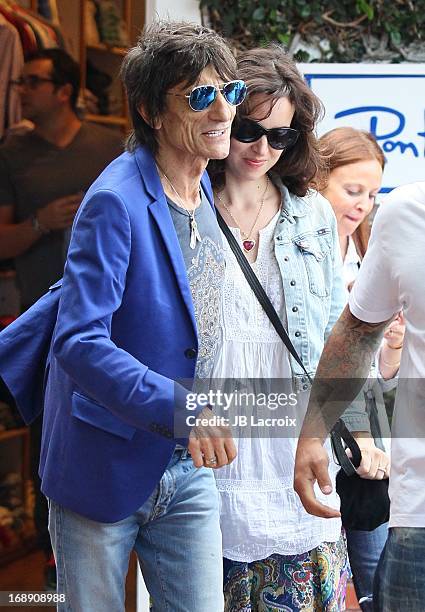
(259, 292)
(339, 433)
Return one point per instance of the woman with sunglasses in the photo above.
(276, 556)
(351, 181)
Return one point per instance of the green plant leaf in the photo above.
(395, 37)
(250, 23)
(305, 11)
(259, 13)
(365, 8)
(283, 38)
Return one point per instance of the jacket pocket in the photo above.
(315, 248)
(94, 414)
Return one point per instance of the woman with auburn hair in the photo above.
(276, 556)
(351, 181)
(351, 155)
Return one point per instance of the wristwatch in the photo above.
(37, 226)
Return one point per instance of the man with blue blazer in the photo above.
(138, 311)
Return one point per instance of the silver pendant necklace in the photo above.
(194, 231)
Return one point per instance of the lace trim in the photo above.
(296, 546)
(274, 484)
(206, 275)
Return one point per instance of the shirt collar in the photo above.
(292, 205)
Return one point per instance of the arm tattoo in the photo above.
(342, 370)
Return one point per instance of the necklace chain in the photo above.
(260, 208)
(189, 212)
(194, 231)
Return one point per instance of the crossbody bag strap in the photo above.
(259, 292)
(339, 434)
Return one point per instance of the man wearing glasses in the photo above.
(43, 175)
(139, 311)
(39, 193)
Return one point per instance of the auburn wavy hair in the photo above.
(343, 146)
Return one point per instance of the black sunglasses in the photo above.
(246, 130)
(201, 97)
(32, 81)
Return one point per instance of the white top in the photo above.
(392, 276)
(260, 512)
(351, 263)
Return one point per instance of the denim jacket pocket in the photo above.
(315, 248)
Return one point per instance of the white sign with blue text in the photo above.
(388, 100)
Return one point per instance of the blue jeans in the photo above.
(176, 535)
(364, 550)
(400, 577)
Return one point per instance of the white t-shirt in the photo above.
(392, 276)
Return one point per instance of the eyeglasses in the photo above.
(32, 81)
(201, 97)
(246, 130)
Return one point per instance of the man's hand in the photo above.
(375, 464)
(311, 465)
(211, 446)
(59, 214)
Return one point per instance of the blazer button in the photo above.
(294, 308)
(297, 334)
(190, 353)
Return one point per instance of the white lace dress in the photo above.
(260, 513)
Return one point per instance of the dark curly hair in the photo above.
(270, 70)
(168, 53)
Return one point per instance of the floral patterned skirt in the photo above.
(314, 581)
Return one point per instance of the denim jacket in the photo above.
(308, 254)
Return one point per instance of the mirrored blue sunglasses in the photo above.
(201, 97)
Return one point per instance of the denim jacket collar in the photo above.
(292, 205)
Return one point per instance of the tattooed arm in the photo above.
(343, 368)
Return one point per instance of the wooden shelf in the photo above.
(27, 540)
(7, 555)
(106, 58)
(107, 48)
(8, 434)
(7, 274)
(107, 119)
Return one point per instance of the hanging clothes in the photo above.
(48, 34)
(10, 69)
(26, 34)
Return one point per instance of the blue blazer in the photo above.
(125, 332)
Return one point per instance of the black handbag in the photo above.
(364, 503)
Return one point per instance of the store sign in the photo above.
(388, 100)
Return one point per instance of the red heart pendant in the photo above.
(248, 245)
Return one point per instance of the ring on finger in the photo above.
(210, 461)
(381, 469)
